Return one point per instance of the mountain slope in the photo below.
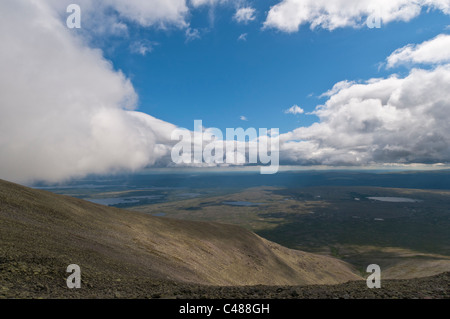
(41, 233)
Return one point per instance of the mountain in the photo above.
(41, 233)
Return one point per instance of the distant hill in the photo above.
(41, 233)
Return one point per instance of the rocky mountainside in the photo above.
(41, 233)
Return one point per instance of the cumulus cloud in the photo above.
(289, 15)
(386, 120)
(245, 15)
(151, 12)
(295, 109)
(65, 111)
(434, 51)
(107, 16)
(243, 118)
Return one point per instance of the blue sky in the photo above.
(108, 97)
(218, 78)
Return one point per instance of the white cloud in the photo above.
(192, 34)
(142, 47)
(198, 3)
(336, 88)
(243, 118)
(289, 15)
(295, 109)
(152, 12)
(245, 15)
(387, 120)
(434, 51)
(161, 13)
(242, 37)
(65, 112)
(113, 17)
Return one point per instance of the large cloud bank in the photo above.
(392, 120)
(65, 111)
(385, 120)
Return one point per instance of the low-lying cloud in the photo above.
(387, 120)
(65, 112)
